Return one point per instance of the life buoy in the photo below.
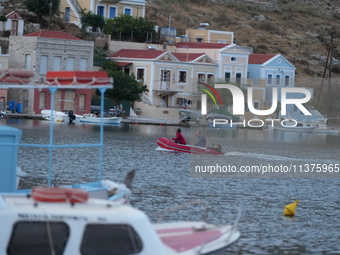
(59, 195)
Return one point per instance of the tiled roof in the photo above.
(187, 56)
(201, 45)
(13, 15)
(133, 53)
(53, 34)
(260, 58)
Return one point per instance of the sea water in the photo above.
(166, 179)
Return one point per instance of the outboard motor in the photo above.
(71, 116)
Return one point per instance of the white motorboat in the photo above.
(319, 126)
(93, 118)
(58, 116)
(323, 128)
(294, 129)
(66, 221)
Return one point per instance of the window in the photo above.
(82, 100)
(127, 70)
(233, 59)
(201, 77)
(199, 39)
(112, 12)
(128, 11)
(100, 10)
(70, 64)
(43, 65)
(270, 79)
(37, 240)
(14, 27)
(227, 77)
(287, 79)
(42, 100)
(238, 78)
(118, 239)
(83, 64)
(56, 64)
(182, 102)
(256, 105)
(246, 108)
(210, 78)
(67, 13)
(140, 74)
(182, 77)
(28, 61)
(278, 77)
(165, 75)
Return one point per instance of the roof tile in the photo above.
(53, 34)
(201, 45)
(260, 58)
(134, 53)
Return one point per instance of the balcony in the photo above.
(166, 87)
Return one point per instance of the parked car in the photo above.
(186, 116)
(220, 114)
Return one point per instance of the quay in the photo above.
(130, 120)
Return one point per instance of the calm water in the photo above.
(164, 179)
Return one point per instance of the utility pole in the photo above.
(330, 76)
(329, 67)
(324, 74)
(49, 15)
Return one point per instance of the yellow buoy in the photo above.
(289, 210)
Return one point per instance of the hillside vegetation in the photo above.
(300, 30)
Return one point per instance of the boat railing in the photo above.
(229, 232)
(171, 209)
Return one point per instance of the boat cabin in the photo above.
(93, 227)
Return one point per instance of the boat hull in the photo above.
(295, 129)
(111, 120)
(170, 145)
(58, 116)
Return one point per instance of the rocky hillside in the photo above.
(298, 29)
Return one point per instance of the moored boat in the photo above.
(92, 118)
(294, 129)
(170, 145)
(58, 116)
(66, 221)
(319, 126)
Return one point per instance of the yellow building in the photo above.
(71, 9)
(203, 34)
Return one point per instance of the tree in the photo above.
(129, 28)
(90, 19)
(125, 87)
(42, 7)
